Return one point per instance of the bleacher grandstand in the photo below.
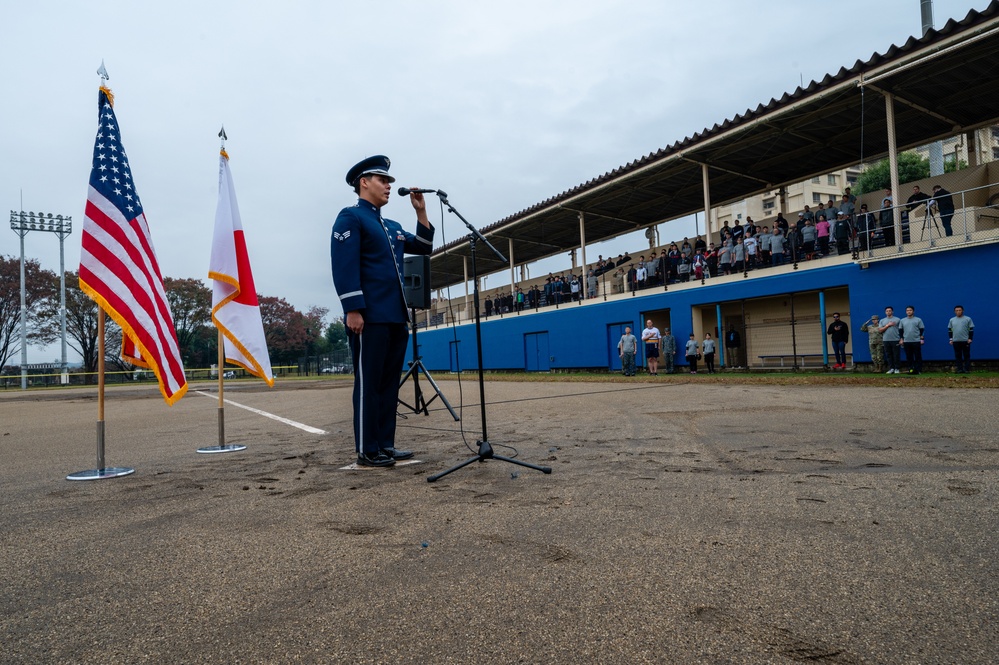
(930, 88)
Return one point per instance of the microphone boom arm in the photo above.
(475, 232)
(485, 449)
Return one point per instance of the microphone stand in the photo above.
(485, 450)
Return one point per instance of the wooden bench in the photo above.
(805, 358)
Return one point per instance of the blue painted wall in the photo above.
(577, 334)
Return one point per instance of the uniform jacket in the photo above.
(367, 262)
(873, 334)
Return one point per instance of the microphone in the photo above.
(406, 191)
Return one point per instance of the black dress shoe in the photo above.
(377, 459)
(396, 454)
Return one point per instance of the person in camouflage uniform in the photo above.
(667, 343)
(874, 341)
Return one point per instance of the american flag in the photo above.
(118, 267)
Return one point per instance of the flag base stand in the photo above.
(230, 448)
(223, 447)
(100, 474)
(102, 471)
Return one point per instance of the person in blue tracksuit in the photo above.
(366, 251)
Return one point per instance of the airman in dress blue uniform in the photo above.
(367, 256)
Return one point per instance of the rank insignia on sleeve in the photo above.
(341, 236)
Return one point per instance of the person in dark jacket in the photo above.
(842, 233)
(918, 198)
(733, 341)
(944, 202)
(887, 222)
(366, 251)
(781, 222)
(865, 227)
(840, 334)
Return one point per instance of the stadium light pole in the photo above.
(22, 223)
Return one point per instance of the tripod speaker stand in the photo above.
(415, 367)
(928, 220)
(485, 450)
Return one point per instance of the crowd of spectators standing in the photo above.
(833, 228)
(888, 337)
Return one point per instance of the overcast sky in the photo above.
(502, 105)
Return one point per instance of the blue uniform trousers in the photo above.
(378, 354)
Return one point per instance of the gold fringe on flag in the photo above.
(224, 154)
(107, 91)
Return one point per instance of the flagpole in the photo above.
(222, 447)
(221, 391)
(100, 388)
(101, 471)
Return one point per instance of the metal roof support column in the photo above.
(582, 241)
(706, 182)
(896, 195)
(971, 141)
(822, 329)
(513, 271)
(464, 263)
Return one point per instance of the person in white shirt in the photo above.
(642, 275)
(751, 247)
(651, 338)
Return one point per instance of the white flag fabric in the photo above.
(235, 309)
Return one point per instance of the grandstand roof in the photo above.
(943, 83)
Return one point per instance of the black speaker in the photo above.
(416, 281)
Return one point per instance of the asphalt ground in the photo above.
(684, 522)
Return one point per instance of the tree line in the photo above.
(911, 167)
(290, 333)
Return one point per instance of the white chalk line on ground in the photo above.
(286, 421)
(357, 467)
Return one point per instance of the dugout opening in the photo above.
(783, 331)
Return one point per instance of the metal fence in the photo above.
(973, 218)
(318, 365)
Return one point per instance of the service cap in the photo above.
(375, 165)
